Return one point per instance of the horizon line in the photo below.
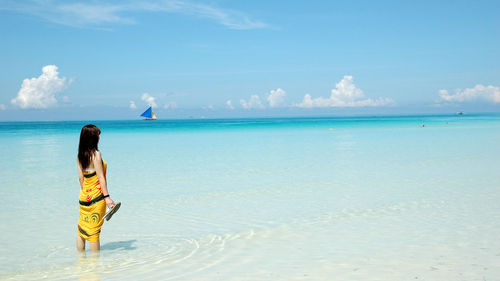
(470, 114)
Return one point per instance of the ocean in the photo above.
(326, 198)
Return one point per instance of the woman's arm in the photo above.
(99, 169)
(80, 172)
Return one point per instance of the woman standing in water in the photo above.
(94, 195)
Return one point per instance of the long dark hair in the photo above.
(89, 138)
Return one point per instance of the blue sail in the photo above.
(147, 113)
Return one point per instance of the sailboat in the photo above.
(149, 114)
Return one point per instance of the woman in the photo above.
(94, 195)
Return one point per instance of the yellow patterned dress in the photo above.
(92, 206)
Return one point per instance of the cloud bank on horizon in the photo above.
(132, 105)
(150, 100)
(479, 92)
(346, 94)
(40, 92)
(276, 98)
(253, 103)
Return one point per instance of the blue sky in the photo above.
(110, 59)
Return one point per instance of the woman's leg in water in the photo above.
(95, 246)
(80, 243)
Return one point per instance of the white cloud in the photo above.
(150, 100)
(40, 92)
(99, 13)
(132, 105)
(2, 107)
(229, 104)
(253, 102)
(170, 105)
(345, 94)
(488, 93)
(276, 98)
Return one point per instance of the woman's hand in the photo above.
(109, 202)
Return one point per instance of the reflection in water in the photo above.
(88, 267)
(123, 245)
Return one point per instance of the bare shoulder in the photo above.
(97, 155)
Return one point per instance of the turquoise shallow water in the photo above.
(361, 198)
